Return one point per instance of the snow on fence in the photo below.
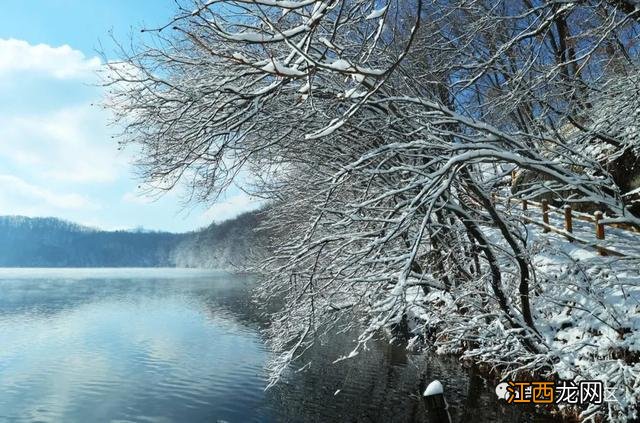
(569, 216)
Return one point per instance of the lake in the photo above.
(174, 345)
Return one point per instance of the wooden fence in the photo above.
(569, 216)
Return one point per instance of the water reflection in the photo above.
(382, 385)
(175, 346)
(133, 349)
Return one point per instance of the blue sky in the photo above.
(57, 155)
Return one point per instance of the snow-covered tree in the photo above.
(377, 131)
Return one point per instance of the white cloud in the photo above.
(67, 145)
(18, 196)
(230, 208)
(56, 147)
(57, 156)
(61, 62)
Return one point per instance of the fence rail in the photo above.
(569, 215)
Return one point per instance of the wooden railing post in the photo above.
(599, 226)
(435, 403)
(545, 214)
(597, 217)
(568, 221)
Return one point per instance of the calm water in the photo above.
(167, 345)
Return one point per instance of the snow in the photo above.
(239, 56)
(275, 66)
(634, 191)
(305, 88)
(354, 93)
(434, 388)
(358, 77)
(377, 13)
(341, 65)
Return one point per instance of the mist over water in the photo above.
(105, 346)
(168, 345)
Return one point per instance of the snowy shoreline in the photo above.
(597, 338)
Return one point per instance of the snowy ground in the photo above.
(586, 309)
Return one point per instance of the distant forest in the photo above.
(50, 242)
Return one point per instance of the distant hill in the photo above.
(51, 242)
(225, 245)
